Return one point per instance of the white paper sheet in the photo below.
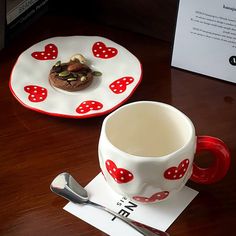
(205, 38)
(160, 215)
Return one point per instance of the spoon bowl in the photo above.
(66, 186)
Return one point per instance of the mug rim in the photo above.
(149, 158)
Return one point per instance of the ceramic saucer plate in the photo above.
(121, 74)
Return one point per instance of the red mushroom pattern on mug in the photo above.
(174, 173)
(36, 93)
(100, 50)
(88, 106)
(120, 175)
(155, 197)
(50, 53)
(119, 86)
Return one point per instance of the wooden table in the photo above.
(36, 147)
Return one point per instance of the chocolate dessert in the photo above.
(74, 75)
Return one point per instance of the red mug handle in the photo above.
(221, 162)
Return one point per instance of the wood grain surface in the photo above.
(34, 147)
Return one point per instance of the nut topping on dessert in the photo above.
(74, 75)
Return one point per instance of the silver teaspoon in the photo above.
(67, 187)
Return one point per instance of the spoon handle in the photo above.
(67, 187)
(141, 228)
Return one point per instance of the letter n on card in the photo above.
(205, 38)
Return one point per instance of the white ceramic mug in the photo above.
(146, 152)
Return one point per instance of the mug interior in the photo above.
(148, 129)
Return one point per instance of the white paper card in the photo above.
(159, 216)
(205, 38)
